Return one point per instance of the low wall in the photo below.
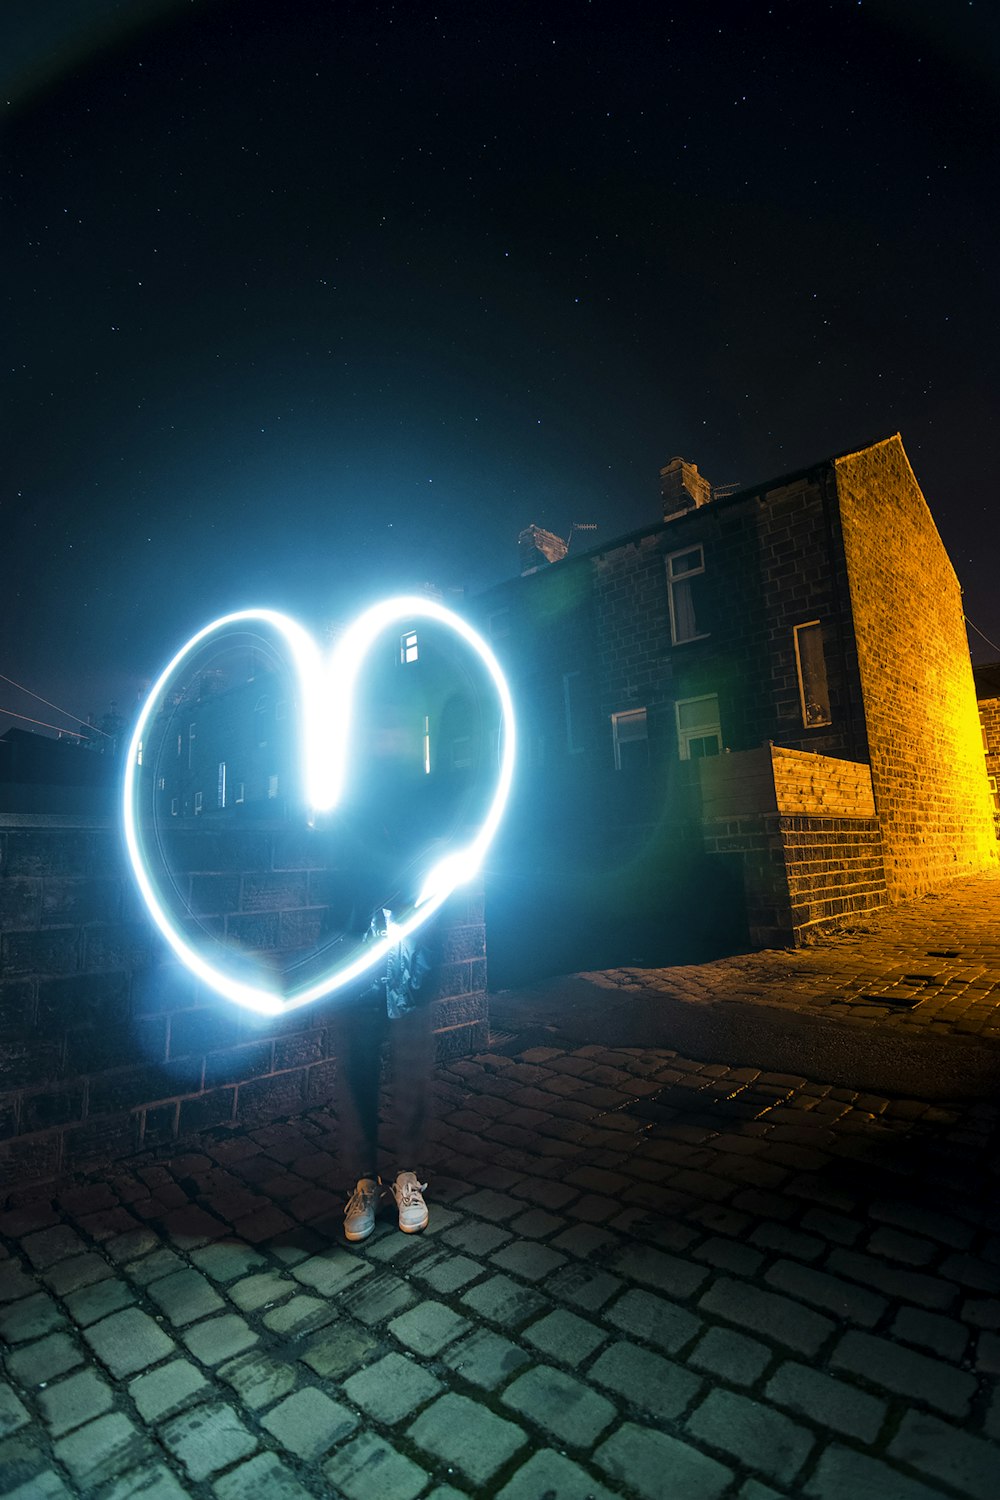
(805, 829)
(108, 1046)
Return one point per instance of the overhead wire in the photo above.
(980, 633)
(75, 733)
(78, 717)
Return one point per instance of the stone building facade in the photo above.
(774, 684)
(987, 677)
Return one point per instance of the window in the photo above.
(628, 730)
(993, 788)
(241, 791)
(408, 650)
(461, 753)
(197, 803)
(810, 661)
(272, 786)
(427, 746)
(699, 732)
(262, 721)
(161, 783)
(685, 585)
(573, 708)
(498, 624)
(175, 806)
(192, 736)
(221, 794)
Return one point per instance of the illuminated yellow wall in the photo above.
(924, 736)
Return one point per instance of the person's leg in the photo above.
(412, 1043)
(359, 1030)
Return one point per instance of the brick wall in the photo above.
(925, 742)
(804, 829)
(109, 1046)
(989, 718)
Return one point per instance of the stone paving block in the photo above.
(640, 1457)
(225, 1260)
(369, 1467)
(74, 1401)
(30, 1318)
(941, 1335)
(586, 1288)
(262, 1478)
(555, 1477)
(537, 1223)
(96, 1302)
(53, 1244)
(69, 1275)
(262, 1290)
(655, 1320)
(487, 1204)
(752, 1489)
(332, 1272)
(528, 1259)
(219, 1339)
(904, 1372)
(853, 1303)
(768, 1313)
(162, 1391)
(475, 1237)
(567, 1410)
(47, 1486)
(942, 1451)
(762, 1439)
(339, 1351)
(382, 1296)
(308, 1423)
(128, 1341)
(12, 1413)
(23, 1455)
(669, 1274)
(184, 1297)
(299, 1316)
(969, 1271)
(427, 1328)
(207, 1439)
(15, 1282)
(132, 1244)
(449, 1274)
(392, 1388)
(102, 1450)
(829, 1225)
(503, 1301)
(787, 1241)
(258, 1379)
(467, 1436)
(730, 1255)
(34, 1364)
(843, 1472)
(909, 1249)
(929, 1222)
(731, 1355)
(905, 1286)
(564, 1336)
(154, 1267)
(648, 1381)
(485, 1358)
(151, 1481)
(828, 1402)
(585, 1240)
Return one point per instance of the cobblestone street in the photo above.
(646, 1275)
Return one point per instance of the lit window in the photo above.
(685, 570)
(138, 757)
(427, 746)
(192, 736)
(272, 786)
(240, 792)
(180, 744)
(262, 721)
(498, 624)
(161, 784)
(629, 732)
(814, 694)
(175, 806)
(222, 784)
(197, 803)
(408, 647)
(699, 732)
(993, 788)
(573, 709)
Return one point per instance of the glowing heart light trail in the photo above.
(327, 698)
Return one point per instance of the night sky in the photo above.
(311, 302)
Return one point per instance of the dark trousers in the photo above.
(372, 1140)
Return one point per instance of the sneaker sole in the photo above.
(415, 1228)
(357, 1238)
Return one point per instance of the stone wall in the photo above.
(109, 1046)
(920, 704)
(989, 719)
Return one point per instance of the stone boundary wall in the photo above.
(108, 1046)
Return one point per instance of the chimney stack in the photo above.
(537, 548)
(682, 488)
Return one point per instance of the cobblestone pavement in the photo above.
(645, 1276)
(927, 965)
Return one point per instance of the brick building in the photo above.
(766, 692)
(987, 678)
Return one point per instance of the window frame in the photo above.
(673, 580)
(817, 723)
(621, 716)
(409, 648)
(697, 731)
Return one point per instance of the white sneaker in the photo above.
(359, 1215)
(407, 1191)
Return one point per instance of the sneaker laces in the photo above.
(407, 1189)
(362, 1198)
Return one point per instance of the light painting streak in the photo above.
(326, 695)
